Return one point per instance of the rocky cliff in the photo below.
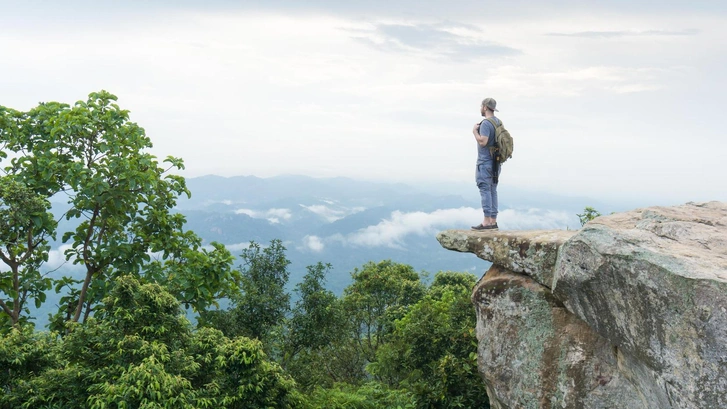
(628, 312)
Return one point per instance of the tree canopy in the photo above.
(138, 350)
(120, 199)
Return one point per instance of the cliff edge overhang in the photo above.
(629, 311)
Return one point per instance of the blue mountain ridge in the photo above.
(316, 219)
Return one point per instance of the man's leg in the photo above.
(493, 213)
(495, 172)
(484, 183)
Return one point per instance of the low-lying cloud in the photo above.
(330, 213)
(392, 232)
(313, 243)
(271, 215)
(536, 219)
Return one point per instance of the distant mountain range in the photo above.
(348, 222)
(318, 219)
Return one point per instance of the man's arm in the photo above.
(481, 140)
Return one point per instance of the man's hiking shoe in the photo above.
(483, 227)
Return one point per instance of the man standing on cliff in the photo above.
(488, 169)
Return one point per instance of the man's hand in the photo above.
(476, 129)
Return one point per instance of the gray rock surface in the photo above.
(654, 283)
(534, 354)
(531, 252)
(628, 312)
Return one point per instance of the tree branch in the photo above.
(5, 258)
(7, 310)
(21, 302)
(89, 234)
(101, 232)
(31, 247)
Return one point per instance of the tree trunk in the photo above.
(16, 301)
(82, 296)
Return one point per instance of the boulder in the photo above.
(654, 283)
(628, 312)
(532, 353)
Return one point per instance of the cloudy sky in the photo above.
(616, 99)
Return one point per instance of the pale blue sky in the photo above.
(613, 99)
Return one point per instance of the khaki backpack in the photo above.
(502, 151)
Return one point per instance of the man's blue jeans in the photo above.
(488, 188)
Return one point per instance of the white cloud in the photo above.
(628, 33)
(536, 219)
(281, 213)
(574, 82)
(332, 214)
(456, 42)
(57, 260)
(272, 215)
(313, 243)
(393, 231)
(236, 247)
(224, 202)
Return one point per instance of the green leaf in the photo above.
(37, 221)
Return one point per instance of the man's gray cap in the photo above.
(490, 103)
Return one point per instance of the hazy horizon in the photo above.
(610, 100)
(469, 190)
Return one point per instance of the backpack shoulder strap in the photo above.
(495, 124)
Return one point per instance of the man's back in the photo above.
(486, 129)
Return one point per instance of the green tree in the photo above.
(432, 351)
(262, 302)
(24, 354)
(588, 214)
(25, 227)
(379, 294)
(198, 276)
(317, 319)
(139, 351)
(459, 282)
(119, 195)
(316, 333)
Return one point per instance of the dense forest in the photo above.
(120, 338)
